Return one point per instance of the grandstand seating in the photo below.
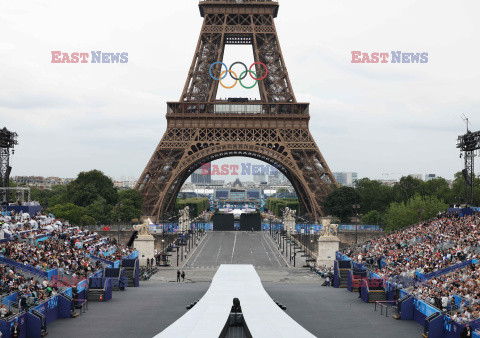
(428, 268)
(70, 283)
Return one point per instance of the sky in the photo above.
(380, 120)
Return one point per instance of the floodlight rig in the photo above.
(8, 140)
(469, 144)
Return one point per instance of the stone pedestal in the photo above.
(145, 244)
(327, 248)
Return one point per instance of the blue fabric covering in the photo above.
(49, 309)
(336, 275)
(444, 271)
(64, 307)
(22, 323)
(406, 309)
(435, 327)
(34, 326)
(30, 269)
(32, 210)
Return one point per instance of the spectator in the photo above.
(15, 331)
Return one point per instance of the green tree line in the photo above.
(90, 199)
(407, 202)
(277, 205)
(196, 205)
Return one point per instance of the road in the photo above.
(236, 248)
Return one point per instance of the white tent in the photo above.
(49, 228)
(33, 224)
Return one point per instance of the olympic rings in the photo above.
(231, 72)
(266, 71)
(243, 75)
(248, 71)
(210, 70)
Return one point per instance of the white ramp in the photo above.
(263, 317)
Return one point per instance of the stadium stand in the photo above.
(48, 269)
(428, 271)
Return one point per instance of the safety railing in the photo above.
(384, 306)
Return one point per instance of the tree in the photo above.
(438, 187)
(129, 206)
(89, 186)
(416, 209)
(372, 217)
(374, 195)
(125, 212)
(406, 188)
(70, 212)
(457, 193)
(340, 201)
(196, 205)
(40, 195)
(277, 205)
(131, 196)
(100, 210)
(58, 195)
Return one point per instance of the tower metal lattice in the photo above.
(201, 129)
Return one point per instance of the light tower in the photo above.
(8, 140)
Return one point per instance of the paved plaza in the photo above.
(157, 303)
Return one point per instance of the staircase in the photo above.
(95, 294)
(376, 296)
(130, 274)
(344, 278)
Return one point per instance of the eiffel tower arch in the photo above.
(201, 128)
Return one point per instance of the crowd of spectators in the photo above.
(45, 243)
(425, 248)
(440, 292)
(30, 291)
(66, 248)
(66, 251)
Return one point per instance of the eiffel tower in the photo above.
(201, 129)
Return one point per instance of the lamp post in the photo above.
(118, 217)
(270, 224)
(290, 243)
(162, 253)
(356, 207)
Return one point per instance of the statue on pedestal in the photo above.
(330, 230)
(289, 220)
(184, 220)
(145, 243)
(144, 228)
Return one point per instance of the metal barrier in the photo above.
(384, 306)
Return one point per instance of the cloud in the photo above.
(368, 118)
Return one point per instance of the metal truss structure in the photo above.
(201, 129)
(469, 144)
(8, 140)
